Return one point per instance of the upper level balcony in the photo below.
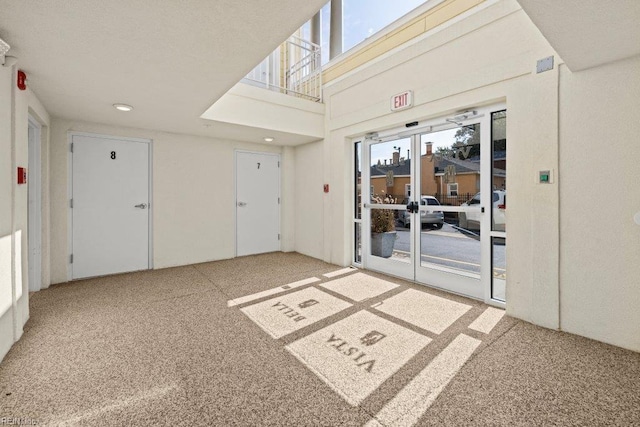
(294, 68)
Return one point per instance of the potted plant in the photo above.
(383, 228)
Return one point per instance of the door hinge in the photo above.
(71, 259)
(278, 163)
(71, 147)
(278, 200)
(278, 237)
(71, 203)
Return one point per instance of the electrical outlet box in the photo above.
(544, 64)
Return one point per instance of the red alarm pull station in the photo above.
(22, 175)
(22, 80)
(326, 188)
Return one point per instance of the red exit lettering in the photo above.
(401, 101)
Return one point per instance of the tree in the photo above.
(467, 143)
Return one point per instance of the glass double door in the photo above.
(436, 205)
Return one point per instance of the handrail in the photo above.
(294, 68)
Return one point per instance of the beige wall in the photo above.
(193, 195)
(15, 107)
(600, 242)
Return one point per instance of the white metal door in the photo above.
(257, 203)
(110, 205)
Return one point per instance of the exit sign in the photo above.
(402, 101)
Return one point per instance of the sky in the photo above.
(384, 150)
(361, 19)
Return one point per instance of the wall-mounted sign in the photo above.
(402, 101)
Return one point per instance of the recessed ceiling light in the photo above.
(268, 139)
(123, 107)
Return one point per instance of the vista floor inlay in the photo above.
(424, 310)
(359, 286)
(288, 313)
(356, 355)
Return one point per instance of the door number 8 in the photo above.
(113, 155)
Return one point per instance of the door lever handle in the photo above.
(242, 204)
(141, 206)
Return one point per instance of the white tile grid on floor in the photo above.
(359, 286)
(355, 355)
(424, 310)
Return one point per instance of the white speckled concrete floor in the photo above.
(169, 347)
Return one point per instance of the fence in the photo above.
(453, 200)
(293, 68)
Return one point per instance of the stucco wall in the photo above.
(193, 195)
(15, 107)
(6, 207)
(600, 242)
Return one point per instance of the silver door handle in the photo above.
(242, 204)
(141, 206)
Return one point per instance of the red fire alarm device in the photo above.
(22, 175)
(22, 80)
(326, 188)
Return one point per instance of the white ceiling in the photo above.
(170, 59)
(588, 33)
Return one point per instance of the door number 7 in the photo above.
(258, 165)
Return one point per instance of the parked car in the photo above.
(471, 220)
(436, 218)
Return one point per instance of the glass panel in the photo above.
(499, 268)
(390, 184)
(499, 170)
(357, 256)
(387, 241)
(358, 180)
(452, 249)
(391, 171)
(450, 175)
(450, 172)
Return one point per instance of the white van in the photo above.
(471, 220)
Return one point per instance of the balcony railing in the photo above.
(293, 68)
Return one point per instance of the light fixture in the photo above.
(4, 48)
(123, 107)
(268, 139)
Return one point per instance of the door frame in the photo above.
(235, 195)
(482, 115)
(70, 135)
(34, 182)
